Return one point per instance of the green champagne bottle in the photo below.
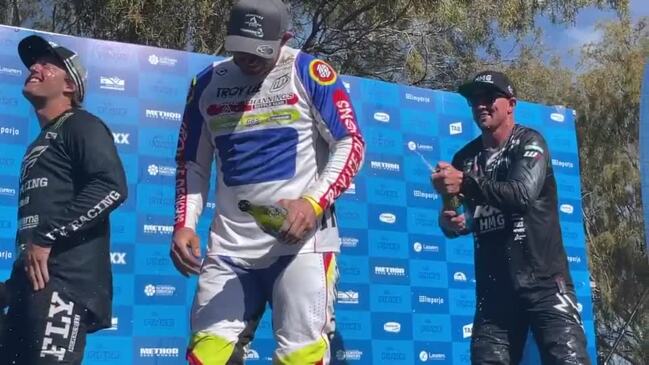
(270, 218)
(452, 202)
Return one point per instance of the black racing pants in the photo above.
(503, 318)
(43, 328)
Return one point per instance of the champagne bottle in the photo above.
(452, 202)
(270, 218)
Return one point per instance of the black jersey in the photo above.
(71, 179)
(511, 195)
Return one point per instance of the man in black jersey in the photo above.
(71, 179)
(507, 184)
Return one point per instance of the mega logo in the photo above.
(390, 352)
(322, 73)
(461, 250)
(429, 274)
(462, 301)
(431, 327)
(353, 269)
(385, 191)
(422, 221)
(351, 215)
(161, 320)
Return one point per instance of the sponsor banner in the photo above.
(153, 113)
(123, 289)
(8, 223)
(13, 130)
(528, 114)
(386, 191)
(122, 227)
(102, 350)
(392, 352)
(353, 269)
(433, 352)
(431, 274)
(577, 258)
(351, 215)
(7, 255)
(113, 109)
(383, 140)
(352, 296)
(391, 326)
(154, 199)
(159, 350)
(118, 55)
(383, 165)
(160, 320)
(462, 353)
(388, 244)
(9, 190)
(413, 98)
(380, 116)
(122, 258)
(354, 325)
(386, 217)
(164, 88)
(163, 61)
(429, 300)
(13, 103)
(390, 298)
(422, 221)
(426, 247)
(461, 250)
(432, 327)
(12, 71)
(389, 271)
(113, 81)
(462, 302)
(461, 328)
(155, 228)
(461, 276)
(159, 290)
(353, 242)
(350, 352)
(421, 121)
(565, 163)
(154, 259)
(158, 142)
(356, 190)
(570, 210)
(125, 138)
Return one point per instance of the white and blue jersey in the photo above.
(285, 135)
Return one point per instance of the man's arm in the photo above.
(526, 177)
(90, 146)
(194, 156)
(337, 125)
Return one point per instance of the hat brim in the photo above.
(469, 89)
(258, 47)
(34, 47)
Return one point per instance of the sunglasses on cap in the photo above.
(487, 98)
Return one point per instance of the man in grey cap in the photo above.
(285, 133)
(506, 180)
(71, 179)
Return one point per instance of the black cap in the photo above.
(257, 27)
(490, 81)
(33, 47)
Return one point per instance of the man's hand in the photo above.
(35, 260)
(447, 179)
(186, 251)
(451, 221)
(301, 220)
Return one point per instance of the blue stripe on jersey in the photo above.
(192, 115)
(322, 95)
(258, 156)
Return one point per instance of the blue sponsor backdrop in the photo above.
(405, 294)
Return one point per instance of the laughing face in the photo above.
(490, 108)
(47, 80)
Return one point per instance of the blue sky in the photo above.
(565, 40)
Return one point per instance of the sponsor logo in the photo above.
(92, 213)
(28, 222)
(158, 229)
(251, 355)
(382, 117)
(417, 98)
(388, 218)
(231, 92)
(424, 299)
(559, 163)
(392, 327)
(567, 208)
(348, 242)
(455, 128)
(322, 73)
(159, 322)
(12, 131)
(280, 83)
(414, 146)
(6, 255)
(10, 71)
(30, 159)
(118, 258)
(348, 297)
(60, 312)
(467, 330)
(431, 356)
(574, 259)
(488, 218)
(349, 355)
(159, 352)
(159, 290)
(389, 271)
(351, 190)
(161, 170)
(162, 61)
(112, 83)
(386, 166)
(121, 138)
(557, 117)
(163, 115)
(424, 195)
(459, 276)
(7, 191)
(36, 183)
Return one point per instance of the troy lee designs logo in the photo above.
(30, 159)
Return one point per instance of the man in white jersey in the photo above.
(282, 130)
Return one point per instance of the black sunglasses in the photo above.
(486, 98)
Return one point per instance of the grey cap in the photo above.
(33, 47)
(257, 27)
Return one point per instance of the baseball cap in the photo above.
(488, 80)
(33, 47)
(257, 27)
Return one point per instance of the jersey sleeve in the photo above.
(336, 122)
(194, 156)
(91, 149)
(525, 180)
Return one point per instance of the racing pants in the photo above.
(504, 317)
(231, 298)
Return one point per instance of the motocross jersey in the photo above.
(511, 195)
(288, 134)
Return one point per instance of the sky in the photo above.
(565, 40)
